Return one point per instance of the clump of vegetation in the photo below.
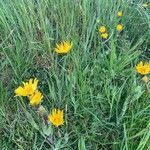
(74, 74)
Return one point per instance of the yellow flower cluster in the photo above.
(103, 32)
(29, 89)
(143, 68)
(119, 27)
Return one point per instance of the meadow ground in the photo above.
(105, 101)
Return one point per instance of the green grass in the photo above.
(106, 104)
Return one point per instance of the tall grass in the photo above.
(106, 104)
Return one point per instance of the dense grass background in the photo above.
(106, 104)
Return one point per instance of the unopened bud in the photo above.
(145, 79)
(41, 110)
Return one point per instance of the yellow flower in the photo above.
(120, 14)
(64, 47)
(27, 89)
(56, 117)
(143, 68)
(36, 98)
(102, 29)
(104, 35)
(119, 27)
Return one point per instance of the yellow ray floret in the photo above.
(27, 89)
(64, 47)
(56, 117)
(36, 98)
(143, 68)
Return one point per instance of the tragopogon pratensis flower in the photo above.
(64, 47)
(119, 13)
(104, 35)
(119, 27)
(102, 29)
(56, 117)
(36, 98)
(143, 68)
(27, 89)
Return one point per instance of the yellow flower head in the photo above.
(27, 89)
(143, 68)
(102, 29)
(36, 98)
(119, 27)
(64, 47)
(119, 13)
(56, 117)
(104, 35)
